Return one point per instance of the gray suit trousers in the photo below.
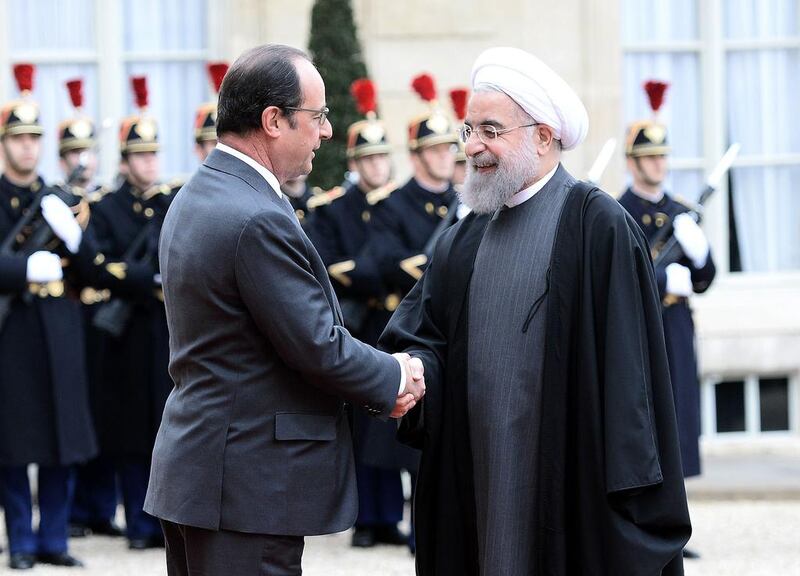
(199, 552)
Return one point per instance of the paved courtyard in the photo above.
(735, 538)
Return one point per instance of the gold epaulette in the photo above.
(94, 196)
(381, 194)
(325, 198)
(155, 190)
(686, 203)
(176, 184)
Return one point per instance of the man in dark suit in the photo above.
(254, 450)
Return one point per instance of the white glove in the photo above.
(44, 266)
(62, 221)
(679, 280)
(691, 238)
(157, 279)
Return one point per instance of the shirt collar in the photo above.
(266, 174)
(530, 191)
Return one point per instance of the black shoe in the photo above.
(106, 528)
(63, 559)
(390, 535)
(22, 561)
(77, 530)
(363, 538)
(146, 543)
(690, 554)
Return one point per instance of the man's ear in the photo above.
(544, 138)
(270, 117)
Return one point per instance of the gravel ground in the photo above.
(736, 538)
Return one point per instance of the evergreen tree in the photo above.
(336, 51)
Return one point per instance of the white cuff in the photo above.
(402, 378)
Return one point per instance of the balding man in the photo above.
(254, 450)
(548, 430)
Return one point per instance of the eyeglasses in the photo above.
(486, 132)
(321, 114)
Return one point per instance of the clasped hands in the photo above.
(414, 388)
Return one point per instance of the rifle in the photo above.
(7, 247)
(665, 247)
(601, 162)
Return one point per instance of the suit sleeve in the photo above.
(289, 306)
(649, 524)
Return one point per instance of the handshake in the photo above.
(414, 388)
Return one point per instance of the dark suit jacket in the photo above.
(254, 436)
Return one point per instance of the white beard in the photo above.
(487, 193)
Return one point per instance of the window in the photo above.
(752, 405)
(734, 70)
(105, 42)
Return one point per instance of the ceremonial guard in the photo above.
(406, 219)
(661, 215)
(44, 407)
(95, 496)
(339, 231)
(205, 119)
(136, 383)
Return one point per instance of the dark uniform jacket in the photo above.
(135, 381)
(678, 324)
(611, 494)
(44, 409)
(403, 224)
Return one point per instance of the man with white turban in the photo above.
(548, 434)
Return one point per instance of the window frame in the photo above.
(110, 60)
(712, 49)
(752, 407)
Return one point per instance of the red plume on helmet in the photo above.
(425, 86)
(458, 96)
(23, 73)
(216, 72)
(75, 88)
(139, 84)
(363, 92)
(655, 93)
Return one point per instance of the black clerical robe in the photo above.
(610, 488)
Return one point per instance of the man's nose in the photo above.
(474, 146)
(326, 132)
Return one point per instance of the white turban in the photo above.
(536, 88)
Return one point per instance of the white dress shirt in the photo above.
(530, 191)
(266, 174)
(273, 182)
